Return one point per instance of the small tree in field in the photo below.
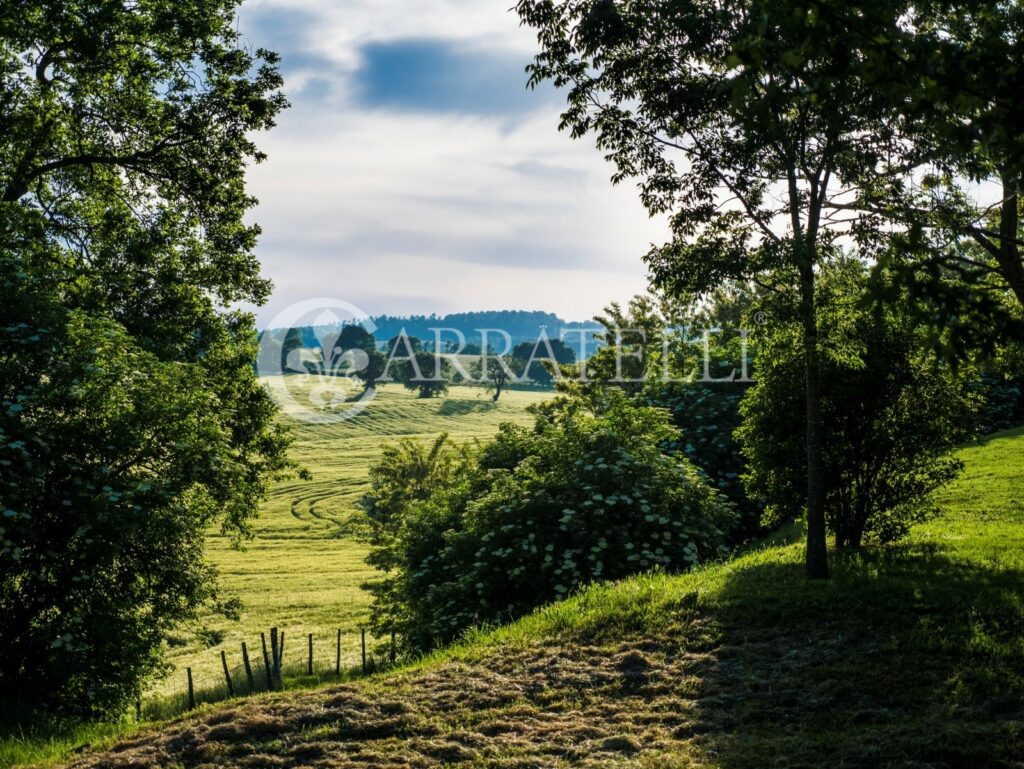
(744, 121)
(894, 412)
(426, 374)
(292, 347)
(539, 360)
(416, 370)
(496, 373)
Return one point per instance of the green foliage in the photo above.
(1002, 374)
(961, 124)
(114, 467)
(740, 121)
(661, 366)
(1004, 402)
(535, 362)
(870, 666)
(353, 352)
(631, 346)
(707, 417)
(303, 570)
(130, 416)
(705, 406)
(893, 411)
(292, 348)
(495, 372)
(408, 472)
(584, 496)
(426, 373)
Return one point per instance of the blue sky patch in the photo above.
(441, 76)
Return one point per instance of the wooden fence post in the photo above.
(248, 668)
(280, 661)
(337, 655)
(274, 660)
(362, 633)
(191, 691)
(227, 673)
(266, 661)
(309, 662)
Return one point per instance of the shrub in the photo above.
(706, 413)
(585, 495)
(707, 416)
(892, 412)
(1002, 383)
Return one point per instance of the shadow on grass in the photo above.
(458, 408)
(906, 658)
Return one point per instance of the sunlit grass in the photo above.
(911, 655)
(303, 571)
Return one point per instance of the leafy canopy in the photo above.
(130, 416)
(745, 122)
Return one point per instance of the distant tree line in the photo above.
(505, 329)
(520, 325)
(351, 351)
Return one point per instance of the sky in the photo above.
(416, 174)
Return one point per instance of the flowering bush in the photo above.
(586, 495)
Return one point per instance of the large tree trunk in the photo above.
(1009, 257)
(817, 545)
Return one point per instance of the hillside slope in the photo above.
(303, 570)
(909, 657)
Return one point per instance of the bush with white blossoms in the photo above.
(586, 495)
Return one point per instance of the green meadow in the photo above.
(911, 656)
(303, 570)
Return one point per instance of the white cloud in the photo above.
(342, 28)
(405, 212)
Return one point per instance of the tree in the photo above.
(372, 372)
(894, 408)
(407, 473)
(496, 372)
(631, 348)
(973, 116)
(403, 343)
(429, 376)
(537, 359)
(744, 121)
(291, 352)
(130, 413)
(355, 337)
(354, 353)
(427, 373)
(659, 354)
(959, 147)
(707, 358)
(415, 369)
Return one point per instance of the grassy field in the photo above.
(303, 571)
(911, 656)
